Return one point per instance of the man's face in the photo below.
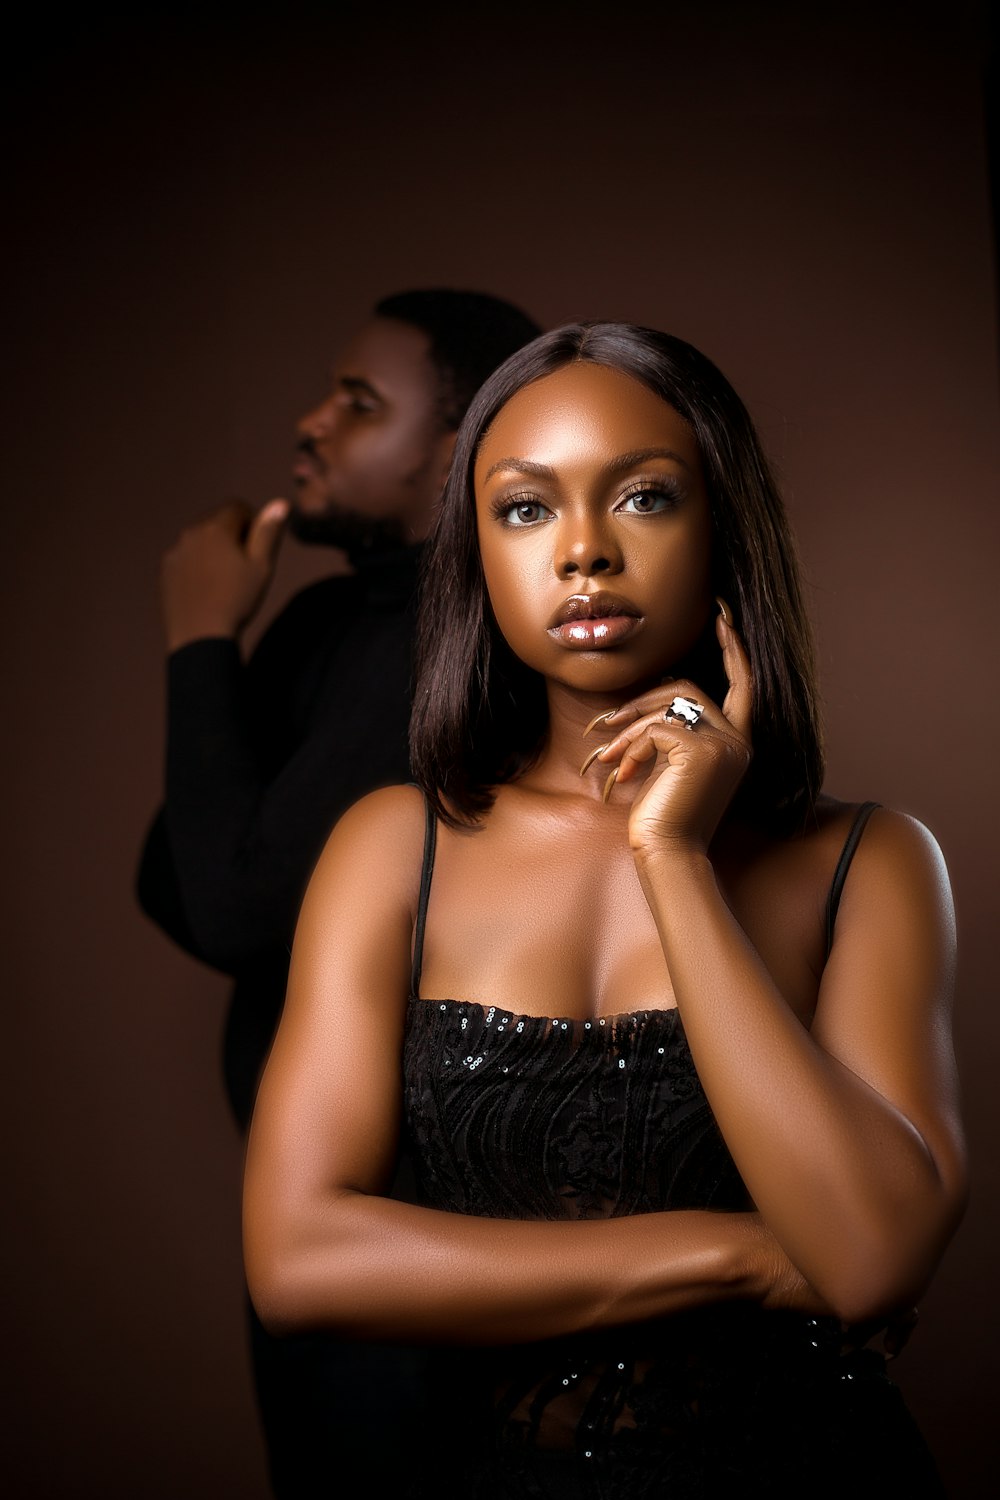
(372, 455)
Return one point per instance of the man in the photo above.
(262, 758)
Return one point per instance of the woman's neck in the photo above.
(567, 745)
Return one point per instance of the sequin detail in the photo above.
(526, 1117)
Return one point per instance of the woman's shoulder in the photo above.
(884, 849)
(870, 842)
(871, 825)
(389, 810)
(377, 844)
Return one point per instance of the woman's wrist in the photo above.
(666, 845)
(716, 1257)
(670, 865)
(751, 1257)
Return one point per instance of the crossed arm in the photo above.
(847, 1134)
(879, 1151)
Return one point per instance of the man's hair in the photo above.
(480, 715)
(470, 334)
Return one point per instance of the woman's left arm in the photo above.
(847, 1134)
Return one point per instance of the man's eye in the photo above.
(358, 405)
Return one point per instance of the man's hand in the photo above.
(214, 578)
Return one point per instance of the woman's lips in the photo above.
(590, 622)
(592, 635)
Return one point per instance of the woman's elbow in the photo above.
(858, 1298)
(274, 1260)
(285, 1290)
(271, 1282)
(873, 1281)
(301, 1268)
(273, 1308)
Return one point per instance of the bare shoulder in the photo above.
(898, 848)
(874, 836)
(903, 837)
(896, 894)
(857, 871)
(389, 812)
(376, 847)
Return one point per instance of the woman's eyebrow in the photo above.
(643, 455)
(616, 466)
(519, 466)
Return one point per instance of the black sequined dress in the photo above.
(526, 1117)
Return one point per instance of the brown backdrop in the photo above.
(202, 211)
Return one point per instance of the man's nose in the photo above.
(318, 423)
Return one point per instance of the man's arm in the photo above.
(158, 890)
(199, 854)
(262, 760)
(213, 581)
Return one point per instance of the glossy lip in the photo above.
(599, 606)
(592, 622)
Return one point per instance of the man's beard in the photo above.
(338, 526)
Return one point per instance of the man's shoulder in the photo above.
(310, 610)
(318, 597)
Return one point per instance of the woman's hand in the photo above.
(781, 1285)
(697, 769)
(773, 1280)
(893, 1333)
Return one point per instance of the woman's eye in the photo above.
(525, 513)
(648, 502)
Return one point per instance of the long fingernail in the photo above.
(609, 784)
(592, 757)
(608, 713)
(724, 609)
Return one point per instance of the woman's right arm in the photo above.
(325, 1248)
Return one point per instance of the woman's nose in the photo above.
(585, 551)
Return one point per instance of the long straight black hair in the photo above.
(480, 716)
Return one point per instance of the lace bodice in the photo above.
(526, 1117)
(602, 1118)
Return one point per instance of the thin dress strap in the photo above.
(427, 870)
(851, 843)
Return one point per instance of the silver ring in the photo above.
(684, 711)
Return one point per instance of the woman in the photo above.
(667, 1028)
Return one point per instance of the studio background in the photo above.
(202, 211)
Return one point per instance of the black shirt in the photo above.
(261, 760)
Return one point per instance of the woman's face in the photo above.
(594, 529)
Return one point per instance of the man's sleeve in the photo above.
(158, 891)
(261, 761)
(198, 859)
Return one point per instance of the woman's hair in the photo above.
(480, 716)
